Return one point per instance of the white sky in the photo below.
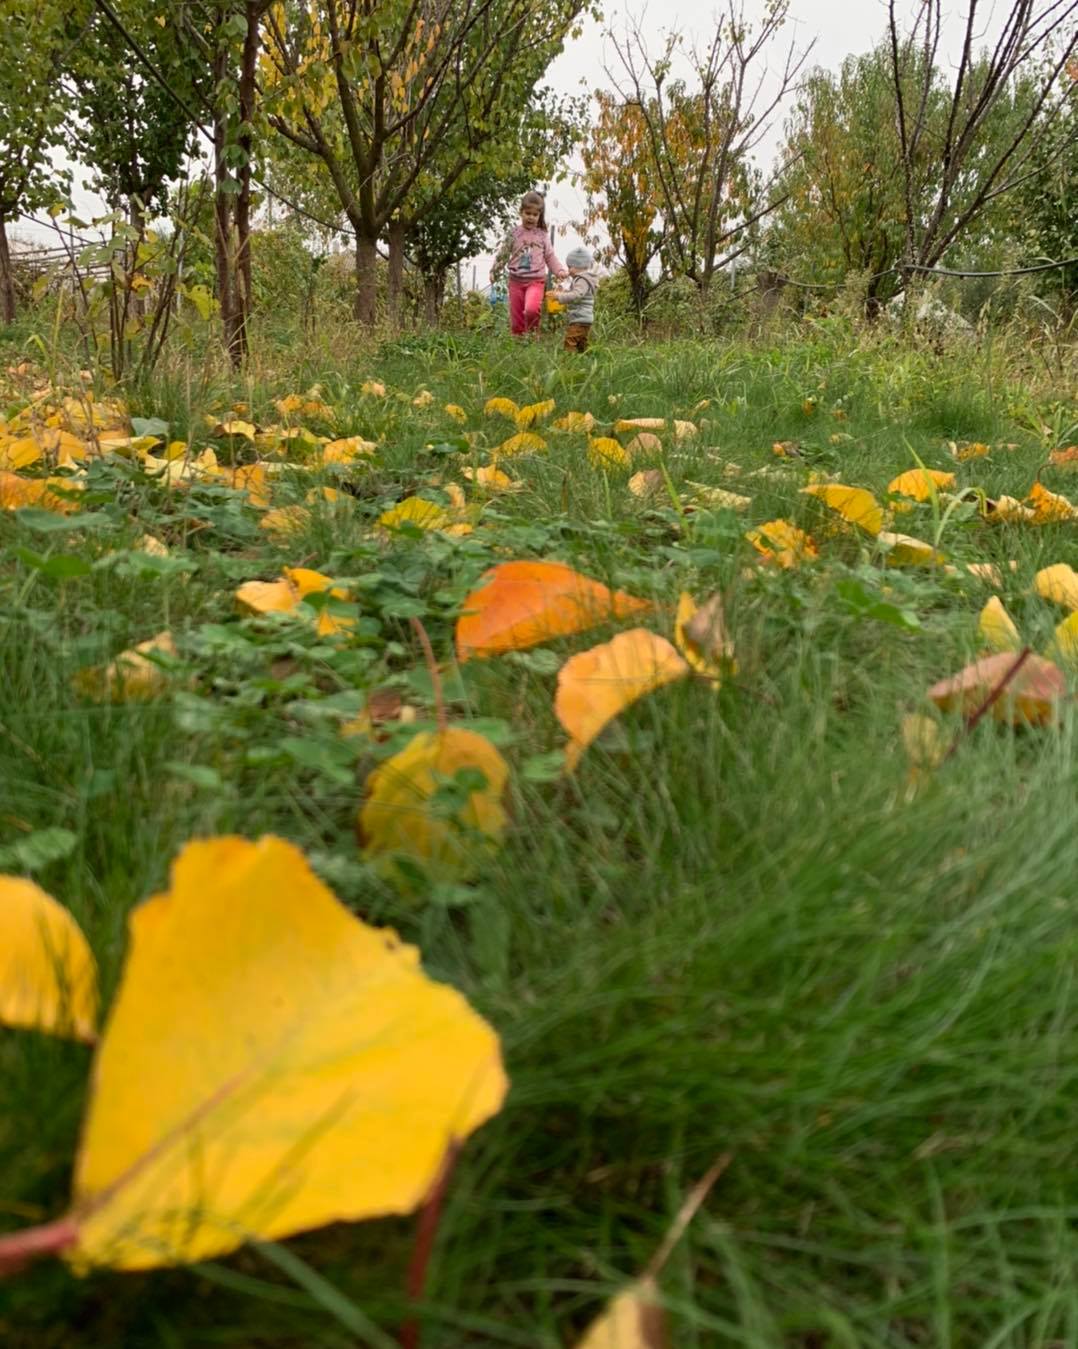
(835, 28)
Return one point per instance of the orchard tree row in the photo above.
(411, 127)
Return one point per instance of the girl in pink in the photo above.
(528, 252)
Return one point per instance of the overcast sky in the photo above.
(833, 29)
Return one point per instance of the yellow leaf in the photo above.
(595, 686)
(522, 604)
(574, 421)
(146, 543)
(644, 442)
(134, 674)
(345, 450)
(920, 483)
(501, 407)
(685, 430)
(647, 482)
(925, 746)
(271, 1063)
(639, 424)
(524, 442)
(492, 478)
(963, 452)
(1066, 639)
(402, 816)
(633, 1320)
(1030, 695)
(997, 627)
(16, 492)
(423, 399)
(718, 497)
(48, 978)
(856, 505)
(700, 634)
(19, 452)
(606, 452)
(235, 427)
(1058, 583)
(373, 388)
(415, 511)
(1009, 509)
(782, 544)
(904, 551)
(534, 412)
(285, 521)
(455, 411)
(287, 593)
(1050, 507)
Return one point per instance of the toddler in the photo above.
(578, 296)
(528, 253)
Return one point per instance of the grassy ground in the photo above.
(735, 930)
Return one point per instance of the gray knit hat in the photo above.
(580, 258)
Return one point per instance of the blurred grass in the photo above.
(736, 929)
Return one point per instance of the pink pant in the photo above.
(525, 305)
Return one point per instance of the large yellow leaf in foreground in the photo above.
(855, 504)
(287, 593)
(1031, 694)
(270, 1064)
(48, 979)
(402, 816)
(634, 1320)
(595, 686)
(522, 604)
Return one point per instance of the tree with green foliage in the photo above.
(404, 101)
(36, 37)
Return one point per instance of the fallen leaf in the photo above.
(455, 411)
(782, 544)
(574, 421)
(271, 1064)
(920, 483)
(133, 675)
(285, 521)
(288, 593)
(16, 492)
(534, 412)
(1058, 583)
(786, 449)
(402, 816)
(423, 399)
(524, 442)
(1050, 507)
(373, 388)
(594, 686)
(633, 1320)
(639, 424)
(1064, 458)
(48, 978)
(492, 478)
(925, 745)
(968, 450)
(347, 449)
(415, 511)
(501, 407)
(997, 627)
(904, 551)
(522, 604)
(718, 497)
(645, 442)
(1009, 509)
(856, 505)
(700, 634)
(1031, 696)
(606, 452)
(1066, 639)
(685, 430)
(646, 483)
(146, 543)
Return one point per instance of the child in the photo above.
(578, 296)
(529, 254)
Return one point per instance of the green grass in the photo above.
(736, 929)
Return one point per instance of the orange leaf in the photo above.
(594, 686)
(920, 483)
(1030, 696)
(522, 604)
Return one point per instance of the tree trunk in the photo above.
(7, 278)
(395, 281)
(222, 214)
(433, 290)
(248, 88)
(366, 302)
